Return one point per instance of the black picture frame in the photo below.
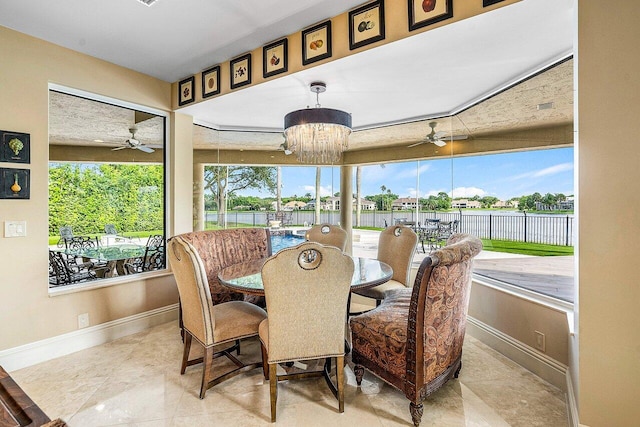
(486, 3)
(186, 91)
(10, 150)
(275, 58)
(240, 71)
(420, 17)
(211, 82)
(310, 51)
(366, 24)
(12, 180)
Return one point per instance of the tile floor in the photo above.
(136, 381)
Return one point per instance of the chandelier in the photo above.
(317, 135)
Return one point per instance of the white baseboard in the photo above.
(528, 357)
(572, 405)
(61, 345)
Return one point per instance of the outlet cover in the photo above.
(540, 341)
(83, 320)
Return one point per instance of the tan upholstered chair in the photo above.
(413, 340)
(211, 325)
(320, 275)
(327, 234)
(396, 247)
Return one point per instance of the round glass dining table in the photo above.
(246, 277)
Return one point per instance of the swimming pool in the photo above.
(279, 242)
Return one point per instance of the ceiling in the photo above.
(391, 91)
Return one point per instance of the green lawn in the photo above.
(537, 249)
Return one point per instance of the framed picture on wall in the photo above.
(186, 89)
(427, 12)
(486, 3)
(366, 24)
(211, 82)
(15, 147)
(240, 69)
(275, 58)
(316, 43)
(14, 183)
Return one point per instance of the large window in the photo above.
(106, 191)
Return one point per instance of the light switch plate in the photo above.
(15, 228)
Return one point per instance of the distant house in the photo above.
(404, 203)
(509, 204)
(465, 204)
(366, 205)
(565, 205)
(333, 204)
(293, 205)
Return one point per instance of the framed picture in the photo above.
(211, 82)
(366, 24)
(275, 58)
(486, 3)
(240, 71)
(14, 147)
(316, 43)
(14, 183)
(186, 89)
(426, 12)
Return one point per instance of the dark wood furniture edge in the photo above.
(16, 408)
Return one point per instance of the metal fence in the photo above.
(513, 226)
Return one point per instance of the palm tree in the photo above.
(358, 203)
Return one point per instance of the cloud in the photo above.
(410, 171)
(468, 192)
(551, 170)
(324, 191)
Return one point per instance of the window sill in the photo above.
(104, 283)
(526, 294)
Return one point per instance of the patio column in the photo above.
(346, 204)
(199, 216)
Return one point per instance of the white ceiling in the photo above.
(432, 74)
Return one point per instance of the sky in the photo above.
(500, 175)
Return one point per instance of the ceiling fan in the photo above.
(133, 143)
(438, 138)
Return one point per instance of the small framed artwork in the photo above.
(211, 82)
(486, 3)
(275, 58)
(366, 24)
(240, 71)
(14, 147)
(186, 93)
(427, 12)
(316, 43)
(14, 183)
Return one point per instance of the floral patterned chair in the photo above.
(413, 340)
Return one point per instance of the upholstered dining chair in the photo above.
(327, 234)
(211, 325)
(413, 340)
(293, 331)
(396, 247)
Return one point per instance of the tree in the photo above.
(358, 194)
(222, 180)
(317, 210)
(488, 201)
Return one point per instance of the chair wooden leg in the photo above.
(207, 361)
(185, 354)
(238, 347)
(340, 381)
(273, 387)
(416, 413)
(359, 371)
(265, 365)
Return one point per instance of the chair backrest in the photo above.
(307, 287)
(66, 232)
(396, 247)
(438, 308)
(81, 242)
(110, 229)
(61, 273)
(219, 249)
(327, 234)
(193, 287)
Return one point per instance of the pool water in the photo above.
(284, 241)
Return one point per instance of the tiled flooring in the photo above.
(136, 381)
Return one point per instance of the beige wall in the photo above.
(608, 161)
(28, 313)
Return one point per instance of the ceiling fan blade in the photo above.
(458, 137)
(118, 148)
(440, 143)
(145, 148)
(417, 143)
(439, 134)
